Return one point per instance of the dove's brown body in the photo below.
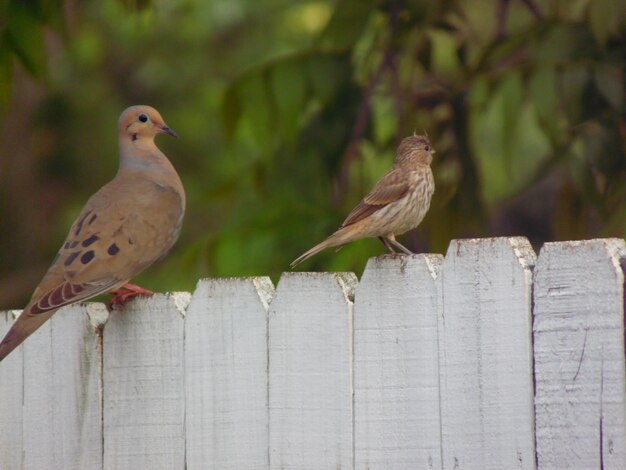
(130, 223)
(397, 203)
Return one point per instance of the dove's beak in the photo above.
(163, 129)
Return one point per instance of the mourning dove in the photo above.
(129, 224)
(397, 203)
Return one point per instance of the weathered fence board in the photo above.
(11, 389)
(226, 374)
(62, 415)
(396, 373)
(143, 381)
(579, 355)
(310, 371)
(430, 367)
(486, 355)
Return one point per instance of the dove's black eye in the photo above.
(143, 117)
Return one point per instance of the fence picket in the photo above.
(396, 374)
(434, 370)
(486, 355)
(579, 355)
(143, 381)
(310, 371)
(226, 374)
(62, 415)
(11, 388)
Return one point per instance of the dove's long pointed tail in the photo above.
(24, 326)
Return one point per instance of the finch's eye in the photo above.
(143, 117)
(427, 148)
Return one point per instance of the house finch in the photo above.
(129, 224)
(398, 202)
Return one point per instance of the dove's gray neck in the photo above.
(142, 155)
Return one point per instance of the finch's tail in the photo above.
(333, 240)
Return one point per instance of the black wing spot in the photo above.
(130, 241)
(94, 238)
(79, 225)
(113, 249)
(87, 257)
(92, 219)
(70, 259)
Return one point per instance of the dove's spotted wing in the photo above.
(125, 227)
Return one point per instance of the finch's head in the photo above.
(138, 122)
(413, 150)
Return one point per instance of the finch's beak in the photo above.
(163, 129)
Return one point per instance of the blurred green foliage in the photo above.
(289, 111)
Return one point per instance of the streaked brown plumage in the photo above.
(397, 203)
(129, 224)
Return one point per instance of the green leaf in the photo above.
(610, 83)
(512, 93)
(544, 94)
(24, 36)
(543, 90)
(572, 82)
(509, 142)
(479, 92)
(325, 73)
(384, 118)
(289, 93)
(602, 18)
(347, 23)
(6, 72)
(230, 110)
(561, 43)
(257, 112)
(444, 52)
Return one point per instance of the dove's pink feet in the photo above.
(127, 292)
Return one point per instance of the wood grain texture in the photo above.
(226, 374)
(396, 364)
(11, 389)
(486, 355)
(62, 397)
(310, 371)
(434, 370)
(579, 355)
(143, 383)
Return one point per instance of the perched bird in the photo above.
(129, 224)
(398, 202)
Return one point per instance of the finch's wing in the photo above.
(390, 188)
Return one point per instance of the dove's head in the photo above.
(142, 122)
(414, 150)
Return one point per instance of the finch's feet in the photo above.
(127, 292)
(390, 241)
(402, 248)
(387, 245)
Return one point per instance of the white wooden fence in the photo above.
(486, 359)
